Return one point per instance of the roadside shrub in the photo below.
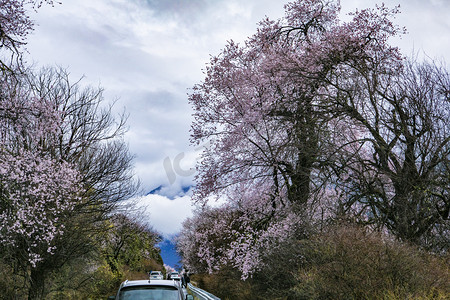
(341, 262)
(350, 262)
(226, 284)
(10, 284)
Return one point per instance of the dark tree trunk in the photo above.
(37, 284)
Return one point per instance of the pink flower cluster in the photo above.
(36, 190)
(36, 193)
(15, 23)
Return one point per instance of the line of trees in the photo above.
(314, 120)
(64, 169)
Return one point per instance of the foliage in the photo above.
(83, 279)
(126, 251)
(94, 276)
(344, 261)
(352, 262)
(15, 26)
(36, 190)
(63, 153)
(131, 243)
(260, 104)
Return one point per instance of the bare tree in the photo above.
(90, 136)
(395, 163)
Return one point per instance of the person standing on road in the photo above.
(186, 279)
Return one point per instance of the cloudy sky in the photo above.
(149, 53)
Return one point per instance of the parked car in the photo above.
(174, 276)
(156, 275)
(151, 289)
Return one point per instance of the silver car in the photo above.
(151, 289)
(174, 276)
(156, 275)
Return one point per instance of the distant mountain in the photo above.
(169, 191)
(169, 255)
(155, 191)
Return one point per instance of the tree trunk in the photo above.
(37, 284)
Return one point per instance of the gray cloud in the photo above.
(178, 8)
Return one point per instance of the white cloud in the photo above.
(165, 215)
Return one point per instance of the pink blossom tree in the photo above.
(63, 163)
(69, 146)
(37, 191)
(30, 177)
(261, 104)
(264, 109)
